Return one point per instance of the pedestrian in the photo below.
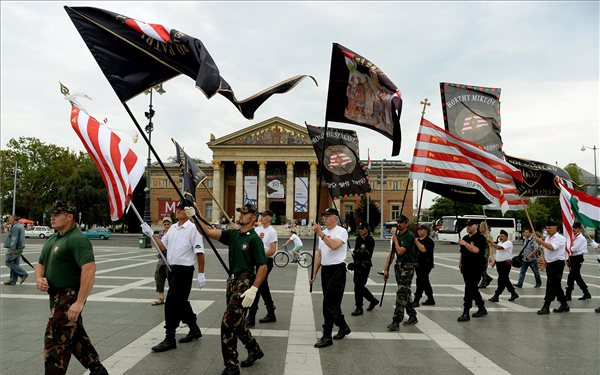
(268, 235)
(578, 248)
(362, 254)
(425, 248)
(297, 244)
(530, 260)
(331, 256)
(66, 270)
(485, 278)
(503, 262)
(246, 254)
(472, 254)
(15, 243)
(404, 249)
(555, 255)
(162, 272)
(185, 248)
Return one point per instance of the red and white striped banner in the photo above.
(153, 30)
(443, 158)
(120, 168)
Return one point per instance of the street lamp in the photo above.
(595, 175)
(149, 115)
(15, 189)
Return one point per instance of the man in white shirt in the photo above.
(268, 235)
(503, 263)
(555, 256)
(332, 258)
(578, 248)
(297, 245)
(185, 248)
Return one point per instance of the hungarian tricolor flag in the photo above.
(473, 113)
(341, 168)
(361, 94)
(120, 168)
(136, 56)
(460, 170)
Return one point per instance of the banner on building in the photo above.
(275, 186)
(250, 190)
(166, 207)
(301, 194)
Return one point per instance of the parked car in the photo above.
(39, 232)
(100, 233)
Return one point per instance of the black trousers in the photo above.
(575, 274)
(333, 283)
(177, 305)
(423, 283)
(554, 272)
(264, 291)
(503, 269)
(361, 275)
(471, 278)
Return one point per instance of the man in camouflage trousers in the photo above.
(246, 251)
(403, 247)
(66, 271)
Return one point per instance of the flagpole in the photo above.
(139, 128)
(151, 237)
(368, 195)
(217, 202)
(492, 249)
(530, 223)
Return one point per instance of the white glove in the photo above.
(249, 296)
(190, 212)
(594, 244)
(147, 230)
(201, 280)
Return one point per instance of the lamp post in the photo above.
(15, 190)
(149, 115)
(595, 175)
(381, 199)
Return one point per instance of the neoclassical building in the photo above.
(272, 164)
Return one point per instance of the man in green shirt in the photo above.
(403, 247)
(66, 271)
(246, 251)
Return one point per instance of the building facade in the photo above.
(272, 164)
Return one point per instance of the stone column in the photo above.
(239, 185)
(289, 191)
(262, 185)
(312, 193)
(216, 190)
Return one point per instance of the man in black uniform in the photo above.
(472, 256)
(425, 246)
(362, 254)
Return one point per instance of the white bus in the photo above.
(448, 227)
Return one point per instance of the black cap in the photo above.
(577, 225)
(364, 226)
(471, 222)
(330, 211)
(267, 213)
(402, 219)
(247, 208)
(502, 231)
(181, 205)
(59, 207)
(294, 231)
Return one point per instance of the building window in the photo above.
(395, 184)
(209, 183)
(396, 211)
(208, 207)
(348, 208)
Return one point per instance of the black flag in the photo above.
(473, 113)
(191, 173)
(538, 177)
(342, 169)
(361, 94)
(136, 56)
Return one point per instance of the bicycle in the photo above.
(282, 258)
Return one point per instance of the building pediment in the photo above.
(272, 132)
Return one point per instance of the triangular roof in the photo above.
(272, 132)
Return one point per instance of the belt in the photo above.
(54, 291)
(241, 275)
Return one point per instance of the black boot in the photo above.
(465, 316)
(494, 298)
(194, 334)
(167, 344)
(98, 370)
(343, 332)
(252, 358)
(251, 319)
(545, 310)
(325, 340)
(586, 295)
(429, 301)
(416, 302)
(562, 308)
(270, 317)
(358, 311)
(372, 305)
(513, 296)
(480, 312)
(568, 292)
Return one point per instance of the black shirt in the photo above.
(470, 259)
(363, 249)
(425, 259)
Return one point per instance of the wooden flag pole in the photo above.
(532, 228)
(152, 239)
(139, 128)
(217, 202)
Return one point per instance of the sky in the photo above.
(543, 55)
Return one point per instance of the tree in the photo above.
(374, 213)
(447, 207)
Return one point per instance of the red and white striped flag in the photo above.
(339, 159)
(443, 158)
(120, 168)
(153, 30)
(368, 159)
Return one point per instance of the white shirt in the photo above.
(296, 239)
(506, 254)
(558, 244)
(183, 242)
(330, 257)
(268, 235)
(579, 245)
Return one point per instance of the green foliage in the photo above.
(374, 214)
(573, 171)
(447, 207)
